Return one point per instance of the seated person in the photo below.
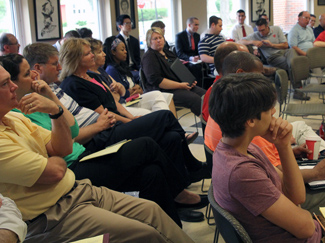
(186, 47)
(154, 169)
(85, 32)
(236, 62)
(161, 25)
(262, 198)
(95, 127)
(55, 206)
(116, 69)
(220, 54)
(12, 228)
(156, 64)
(124, 25)
(161, 125)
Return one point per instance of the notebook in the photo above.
(182, 73)
(314, 185)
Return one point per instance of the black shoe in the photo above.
(191, 137)
(203, 203)
(191, 216)
(298, 95)
(203, 173)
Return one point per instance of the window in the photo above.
(151, 10)
(7, 23)
(226, 10)
(287, 12)
(73, 18)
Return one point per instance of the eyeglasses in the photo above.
(306, 17)
(127, 23)
(14, 44)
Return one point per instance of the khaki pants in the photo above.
(88, 211)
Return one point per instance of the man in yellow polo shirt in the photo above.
(55, 206)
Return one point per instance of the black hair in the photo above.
(122, 68)
(11, 63)
(120, 20)
(261, 22)
(213, 20)
(239, 60)
(85, 32)
(4, 40)
(72, 33)
(241, 11)
(158, 24)
(313, 15)
(236, 98)
(301, 13)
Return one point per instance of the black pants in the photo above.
(189, 98)
(162, 127)
(139, 165)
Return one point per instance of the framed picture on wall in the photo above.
(125, 7)
(321, 2)
(260, 7)
(47, 19)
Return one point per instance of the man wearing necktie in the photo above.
(187, 41)
(186, 46)
(124, 24)
(241, 29)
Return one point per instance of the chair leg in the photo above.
(202, 186)
(216, 236)
(197, 127)
(208, 214)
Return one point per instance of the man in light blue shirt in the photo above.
(301, 36)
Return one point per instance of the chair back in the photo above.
(300, 68)
(229, 227)
(281, 85)
(203, 122)
(316, 57)
(143, 80)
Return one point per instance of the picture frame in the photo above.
(47, 20)
(321, 2)
(125, 7)
(261, 7)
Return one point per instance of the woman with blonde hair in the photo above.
(156, 65)
(161, 125)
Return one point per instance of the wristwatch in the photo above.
(56, 116)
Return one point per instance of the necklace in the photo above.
(83, 76)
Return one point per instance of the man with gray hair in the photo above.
(8, 44)
(301, 38)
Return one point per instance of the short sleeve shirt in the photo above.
(209, 44)
(23, 158)
(275, 36)
(246, 187)
(301, 37)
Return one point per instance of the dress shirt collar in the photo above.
(124, 36)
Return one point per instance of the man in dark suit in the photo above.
(187, 41)
(186, 46)
(124, 25)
